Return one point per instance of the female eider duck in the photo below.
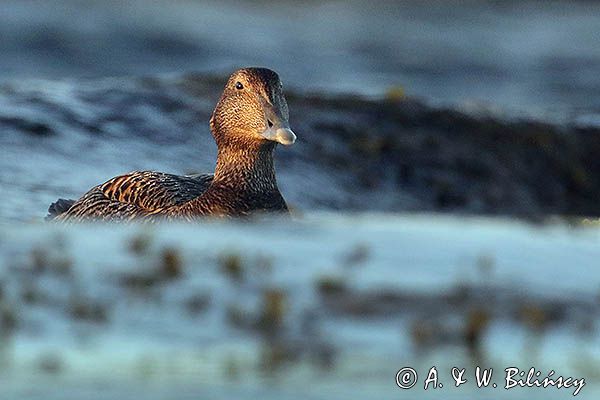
(249, 120)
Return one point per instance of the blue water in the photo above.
(147, 344)
(514, 58)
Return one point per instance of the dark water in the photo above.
(532, 58)
(61, 137)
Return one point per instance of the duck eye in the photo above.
(239, 86)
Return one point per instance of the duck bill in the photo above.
(284, 136)
(277, 130)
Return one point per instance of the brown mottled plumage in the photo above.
(249, 120)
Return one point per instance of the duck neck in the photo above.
(244, 182)
(246, 167)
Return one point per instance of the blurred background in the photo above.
(445, 186)
(517, 56)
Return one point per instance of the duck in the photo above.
(250, 119)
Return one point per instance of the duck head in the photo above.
(252, 110)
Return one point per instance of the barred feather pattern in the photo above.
(136, 195)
